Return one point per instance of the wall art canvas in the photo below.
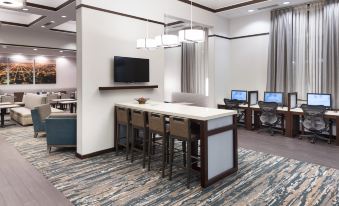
(20, 71)
(45, 72)
(3, 70)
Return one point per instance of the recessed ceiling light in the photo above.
(63, 16)
(14, 4)
(52, 21)
(43, 26)
(25, 9)
(286, 2)
(35, 49)
(251, 10)
(61, 51)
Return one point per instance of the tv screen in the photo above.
(239, 95)
(128, 69)
(319, 99)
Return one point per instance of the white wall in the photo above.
(100, 37)
(248, 56)
(44, 38)
(172, 72)
(66, 77)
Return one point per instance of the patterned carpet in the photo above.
(263, 179)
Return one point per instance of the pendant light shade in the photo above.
(192, 36)
(13, 4)
(146, 43)
(167, 40)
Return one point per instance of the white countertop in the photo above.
(279, 108)
(7, 106)
(191, 112)
(329, 113)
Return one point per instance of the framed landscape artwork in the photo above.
(3, 70)
(45, 73)
(20, 71)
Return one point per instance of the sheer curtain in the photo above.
(331, 49)
(314, 43)
(299, 82)
(279, 75)
(195, 67)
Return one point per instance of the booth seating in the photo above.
(22, 115)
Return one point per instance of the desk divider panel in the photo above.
(253, 98)
(292, 100)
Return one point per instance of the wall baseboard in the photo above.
(95, 153)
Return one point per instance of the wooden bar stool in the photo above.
(139, 122)
(157, 126)
(123, 119)
(180, 129)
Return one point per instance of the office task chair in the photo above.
(314, 121)
(268, 115)
(234, 105)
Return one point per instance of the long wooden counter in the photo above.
(218, 136)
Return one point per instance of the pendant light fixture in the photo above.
(146, 43)
(192, 35)
(167, 40)
(13, 4)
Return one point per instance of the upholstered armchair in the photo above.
(39, 115)
(61, 130)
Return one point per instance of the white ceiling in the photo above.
(217, 4)
(50, 3)
(67, 26)
(17, 17)
(258, 7)
(40, 13)
(16, 50)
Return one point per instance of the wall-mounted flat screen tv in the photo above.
(128, 69)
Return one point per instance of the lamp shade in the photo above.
(192, 35)
(146, 43)
(14, 4)
(167, 40)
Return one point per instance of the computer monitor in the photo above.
(277, 97)
(319, 99)
(239, 95)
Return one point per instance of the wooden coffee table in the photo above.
(3, 109)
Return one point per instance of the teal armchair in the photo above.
(39, 115)
(61, 130)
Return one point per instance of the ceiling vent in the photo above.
(268, 7)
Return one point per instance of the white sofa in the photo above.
(22, 115)
(195, 99)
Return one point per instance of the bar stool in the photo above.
(122, 119)
(139, 123)
(180, 129)
(157, 126)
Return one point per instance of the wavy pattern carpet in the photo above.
(262, 179)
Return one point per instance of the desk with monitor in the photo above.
(293, 126)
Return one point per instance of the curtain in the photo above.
(280, 57)
(195, 67)
(330, 58)
(299, 79)
(310, 35)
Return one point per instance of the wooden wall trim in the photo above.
(198, 5)
(40, 6)
(64, 31)
(118, 13)
(224, 8)
(38, 47)
(238, 37)
(239, 5)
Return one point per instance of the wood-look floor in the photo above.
(21, 184)
(320, 153)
